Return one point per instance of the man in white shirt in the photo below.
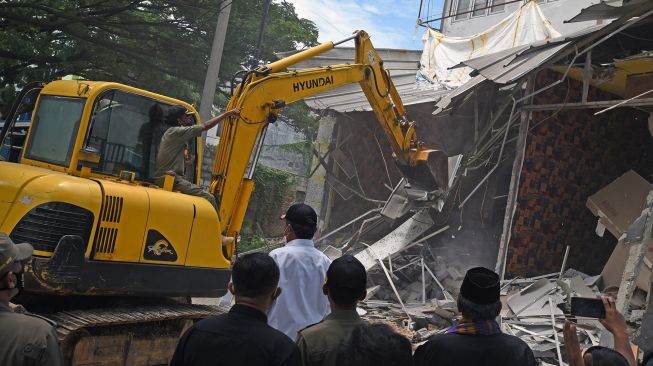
(303, 269)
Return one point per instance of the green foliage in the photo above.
(303, 148)
(298, 147)
(300, 117)
(248, 243)
(270, 186)
(159, 45)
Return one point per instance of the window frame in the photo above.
(89, 128)
(485, 11)
(470, 15)
(503, 10)
(34, 127)
(454, 6)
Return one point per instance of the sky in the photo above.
(390, 23)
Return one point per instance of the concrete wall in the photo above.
(275, 155)
(557, 11)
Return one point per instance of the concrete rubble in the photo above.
(534, 310)
(414, 286)
(415, 290)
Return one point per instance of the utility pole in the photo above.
(211, 79)
(261, 32)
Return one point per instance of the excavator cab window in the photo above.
(54, 129)
(126, 131)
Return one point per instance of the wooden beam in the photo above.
(513, 191)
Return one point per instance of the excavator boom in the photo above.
(266, 90)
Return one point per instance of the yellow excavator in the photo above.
(115, 255)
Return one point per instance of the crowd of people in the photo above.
(294, 307)
(297, 294)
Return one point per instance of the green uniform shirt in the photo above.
(319, 342)
(27, 340)
(171, 150)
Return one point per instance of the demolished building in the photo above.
(541, 129)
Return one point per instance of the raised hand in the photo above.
(575, 358)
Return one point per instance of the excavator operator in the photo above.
(170, 158)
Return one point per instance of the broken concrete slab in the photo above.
(592, 280)
(372, 291)
(530, 295)
(454, 273)
(579, 288)
(620, 203)
(396, 241)
(332, 252)
(614, 268)
(644, 335)
(444, 304)
(636, 316)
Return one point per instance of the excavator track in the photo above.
(128, 335)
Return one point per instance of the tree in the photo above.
(159, 45)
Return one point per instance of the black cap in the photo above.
(347, 272)
(175, 112)
(302, 215)
(480, 286)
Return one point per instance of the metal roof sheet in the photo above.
(603, 10)
(402, 65)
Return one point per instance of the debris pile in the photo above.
(534, 309)
(414, 288)
(537, 308)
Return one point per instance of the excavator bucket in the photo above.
(424, 185)
(428, 175)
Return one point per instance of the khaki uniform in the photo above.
(319, 342)
(170, 159)
(27, 340)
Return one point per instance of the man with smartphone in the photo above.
(615, 323)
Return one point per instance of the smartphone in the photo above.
(587, 307)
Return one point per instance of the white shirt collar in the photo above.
(301, 243)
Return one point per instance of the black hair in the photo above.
(603, 356)
(344, 296)
(173, 115)
(472, 311)
(255, 275)
(374, 345)
(301, 231)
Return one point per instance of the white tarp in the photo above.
(524, 26)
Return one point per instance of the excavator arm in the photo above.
(266, 90)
